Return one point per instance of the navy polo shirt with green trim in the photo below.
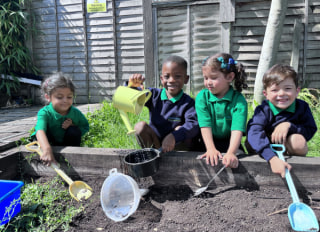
(222, 115)
(267, 117)
(167, 114)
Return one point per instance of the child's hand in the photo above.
(67, 123)
(230, 160)
(168, 143)
(136, 80)
(280, 133)
(47, 157)
(212, 157)
(279, 166)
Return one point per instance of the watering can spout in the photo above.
(126, 121)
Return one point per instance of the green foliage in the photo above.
(14, 54)
(311, 96)
(107, 129)
(44, 207)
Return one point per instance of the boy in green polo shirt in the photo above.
(221, 110)
(58, 123)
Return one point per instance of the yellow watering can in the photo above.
(130, 100)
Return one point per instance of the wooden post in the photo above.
(115, 45)
(57, 37)
(270, 45)
(226, 16)
(227, 11)
(148, 43)
(84, 20)
(305, 42)
(294, 62)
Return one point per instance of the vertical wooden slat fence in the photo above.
(101, 50)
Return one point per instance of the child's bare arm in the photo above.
(230, 159)
(168, 143)
(212, 155)
(47, 154)
(279, 135)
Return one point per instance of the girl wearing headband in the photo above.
(222, 109)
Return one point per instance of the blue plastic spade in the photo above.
(301, 216)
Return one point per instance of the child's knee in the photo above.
(73, 131)
(297, 145)
(140, 127)
(72, 136)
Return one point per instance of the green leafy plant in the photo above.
(311, 96)
(14, 54)
(107, 129)
(44, 207)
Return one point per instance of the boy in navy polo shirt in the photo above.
(280, 119)
(173, 119)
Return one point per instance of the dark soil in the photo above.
(175, 209)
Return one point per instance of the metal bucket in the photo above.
(142, 163)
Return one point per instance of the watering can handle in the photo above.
(147, 91)
(290, 183)
(143, 91)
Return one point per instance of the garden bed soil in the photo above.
(173, 208)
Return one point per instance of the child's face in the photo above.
(61, 99)
(216, 81)
(283, 94)
(173, 78)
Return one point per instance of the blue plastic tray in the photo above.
(10, 204)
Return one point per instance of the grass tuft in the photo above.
(107, 129)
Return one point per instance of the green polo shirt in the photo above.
(222, 115)
(51, 121)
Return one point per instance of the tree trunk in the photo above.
(270, 45)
